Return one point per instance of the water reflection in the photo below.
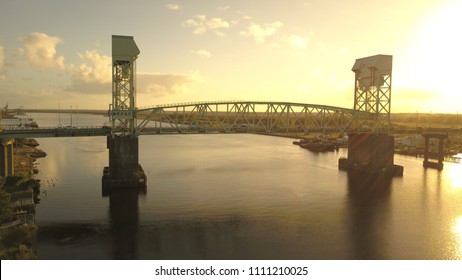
(455, 174)
(369, 213)
(271, 202)
(193, 238)
(458, 235)
(124, 222)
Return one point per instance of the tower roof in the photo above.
(382, 64)
(124, 48)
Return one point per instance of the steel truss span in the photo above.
(245, 116)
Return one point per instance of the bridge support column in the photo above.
(6, 158)
(123, 171)
(371, 153)
(440, 154)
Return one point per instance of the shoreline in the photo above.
(20, 196)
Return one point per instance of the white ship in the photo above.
(11, 120)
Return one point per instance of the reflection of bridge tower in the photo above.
(373, 92)
(124, 169)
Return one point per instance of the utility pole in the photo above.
(430, 123)
(77, 110)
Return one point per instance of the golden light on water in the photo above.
(458, 235)
(455, 174)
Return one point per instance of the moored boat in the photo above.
(318, 146)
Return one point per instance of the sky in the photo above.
(57, 53)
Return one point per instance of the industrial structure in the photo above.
(124, 169)
(373, 152)
(440, 136)
(372, 92)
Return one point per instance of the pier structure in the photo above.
(440, 136)
(124, 169)
(6, 157)
(372, 152)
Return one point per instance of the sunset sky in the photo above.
(58, 52)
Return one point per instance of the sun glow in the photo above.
(432, 61)
(457, 229)
(455, 174)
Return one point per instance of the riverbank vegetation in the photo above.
(18, 197)
(17, 207)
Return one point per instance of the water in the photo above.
(241, 196)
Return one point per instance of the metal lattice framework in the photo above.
(372, 98)
(373, 91)
(122, 110)
(221, 116)
(244, 116)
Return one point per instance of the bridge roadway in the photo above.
(45, 132)
(221, 116)
(48, 132)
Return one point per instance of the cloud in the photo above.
(2, 56)
(40, 50)
(158, 84)
(173, 7)
(224, 8)
(93, 76)
(201, 24)
(202, 53)
(2, 63)
(297, 42)
(261, 32)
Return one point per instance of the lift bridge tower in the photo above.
(124, 169)
(370, 148)
(373, 92)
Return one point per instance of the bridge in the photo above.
(371, 111)
(205, 117)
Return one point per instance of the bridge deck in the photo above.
(53, 132)
(220, 116)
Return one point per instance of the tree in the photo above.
(25, 253)
(5, 204)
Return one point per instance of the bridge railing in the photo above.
(197, 103)
(21, 132)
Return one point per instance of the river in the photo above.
(240, 196)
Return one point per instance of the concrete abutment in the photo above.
(371, 154)
(440, 136)
(6, 158)
(124, 170)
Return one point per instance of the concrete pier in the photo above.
(123, 171)
(441, 136)
(372, 154)
(6, 158)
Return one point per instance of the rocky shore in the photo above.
(25, 154)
